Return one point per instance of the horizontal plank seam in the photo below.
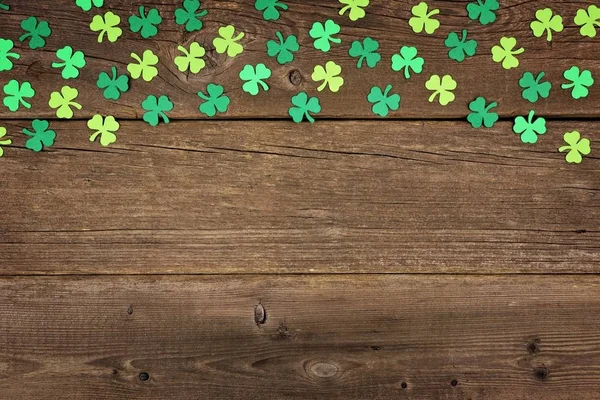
(301, 274)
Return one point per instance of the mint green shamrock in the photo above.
(408, 60)
(481, 115)
(284, 49)
(6, 45)
(460, 48)
(71, 62)
(227, 42)
(443, 87)
(155, 108)
(16, 94)
(269, 8)
(190, 16)
(3, 6)
(355, 7)
(546, 22)
(40, 137)
(323, 35)
(365, 51)
(36, 32)
(588, 20)
(214, 100)
(63, 101)
(580, 82)
(382, 101)
(191, 60)
(484, 10)
(144, 23)
(529, 129)
(86, 5)
(3, 142)
(106, 128)
(330, 75)
(422, 19)
(107, 25)
(304, 105)
(254, 76)
(576, 147)
(113, 85)
(506, 53)
(533, 87)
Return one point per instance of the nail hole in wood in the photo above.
(454, 382)
(115, 372)
(144, 376)
(533, 347)
(295, 77)
(130, 310)
(260, 314)
(581, 231)
(541, 373)
(404, 385)
(375, 348)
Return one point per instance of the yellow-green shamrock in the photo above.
(63, 101)
(191, 60)
(355, 7)
(589, 21)
(443, 87)
(145, 66)
(576, 147)
(107, 25)
(505, 53)
(103, 127)
(546, 22)
(227, 43)
(3, 142)
(329, 75)
(422, 19)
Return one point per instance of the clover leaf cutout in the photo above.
(483, 10)
(284, 49)
(190, 16)
(227, 43)
(106, 128)
(442, 87)
(547, 22)
(269, 8)
(408, 60)
(3, 142)
(4, 7)
(382, 101)
(529, 128)
(422, 19)
(533, 87)
(460, 48)
(156, 108)
(145, 66)
(580, 82)
(481, 115)
(63, 101)
(323, 35)
(303, 107)
(505, 53)
(214, 100)
(36, 32)
(86, 5)
(40, 137)
(576, 147)
(145, 24)
(16, 93)
(191, 60)
(330, 75)
(365, 51)
(107, 25)
(355, 7)
(72, 61)
(113, 84)
(255, 76)
(6, 45)
(589, 21)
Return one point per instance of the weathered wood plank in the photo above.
(386, 21)
(244, 197)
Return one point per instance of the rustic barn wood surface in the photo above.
(248, 257)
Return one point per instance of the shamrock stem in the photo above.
(203, 96)
(238, 37)
(264, 85)
(94, 136)
(344, 9)
(283, 6)
(308, 117)
(564, 148)
(136, 58)
(74, 104)
(360, 61)
(25, 36)
(201, 14)
(164, 117)
(335, 40)
(114, 73)
(322, 86)
(432, 97)
(490, 106)
(25, 104)
(530, 117)
(141, 11)
(280, 37)
(387, 90)
(549, 37)
(406, 72)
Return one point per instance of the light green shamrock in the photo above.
(422, 19)
(484, 10)
(304, 105)
(3, 142)
(269, 8)
(576, 147)
(382, 101)
(407, 60)
(460, 48)
(443, 87)
(365, 51)
(355, 7)
(113, 85)
(191, 60)
(145, 24)
(529, 129)
(6, 45)
(16, 94)
(589, 21)
(580, 81)
(481, 115)
(107, 25)
(145, 67)
(227, 43)
(71, 62)
(86, 5)
(214, 100)
(155, 108)
(63, 102)
(41, 135)
(254, 76)
(329, 75)
(36, 32)
(284, 49)
(533, 87)
(323, 35)
(504, 53)
(190, 16)
(106, 128)
(546, 22)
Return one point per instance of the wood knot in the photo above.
(144, 376)
(533, 347)
(295, 77)
(130, 310)
(324, 370)
(454, 382)
(260, 314)
(541, 373)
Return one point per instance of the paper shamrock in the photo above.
(214, 100)
(365, 51)
(145, 24)
(113, 85)
(422, 19)
(190, 15)
(443, 87)
(105, 128)
(40, 137)
(86, 5)
(382, 101)
(63, 101)
(481, 115)
(269, 8)
(16, 94)
(3, 142)
(107, 25)
(145, 66)
(284, 49)
(407, 60)
(460, 48)
(533, 87)
(6, 45)
(483, 10)
(227, 43)
(589, 21)
(155, 108)
(529, 129)
(71, 62)
(303, 106)
(36, 32)
(255, 76)
(355, 7)
(4, 7)
(505, 53)
(576, 147)
(329, 75)
(580, 82)
(323, 35)
(547, 22)
(191, 60)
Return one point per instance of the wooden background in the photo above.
(252, 258)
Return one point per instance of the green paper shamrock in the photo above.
(580, 81)
(407, 60)
(269, 8)
(36, 32)
(113, 85)
(422, 19)
(16, 94)
(40, 137)
(588, 21)
(107, 25)
(191, 60)
(145, 66)
(355, 7)
(329, 75)
(3, 6)
(284, 49)
(106, 128)
(323, 35)
(86, 5)
(365, 51)
(71, 62)
(3, 142)
(214, 100)
(576, 147)
(155, 108)
(533, 87)
(254, 76)
(505, 53)
(460, 48)
(546, 22)
(484, 10)
(481, 115)
(63, 102)
(304, 105)
(6, 45)
(382, 101)
(528, 128)
(190, 16)
(227, 43)
(442, 87)
(146, 24)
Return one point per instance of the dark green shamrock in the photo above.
(460, 48)
(484, 10)
(269, 8)
(580, 82)
(146, 24)
(215, 100)
(36, 31)
(40, 137)
(481, 114)
(533, 87)
(113, 85)
(382, 101)
(365, 51)
(155, 108)
(303, 106)
(529, 129)
(72, 61)
(3, 6)
(284, 49)
(190, 15)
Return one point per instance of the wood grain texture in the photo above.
(386, 21)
